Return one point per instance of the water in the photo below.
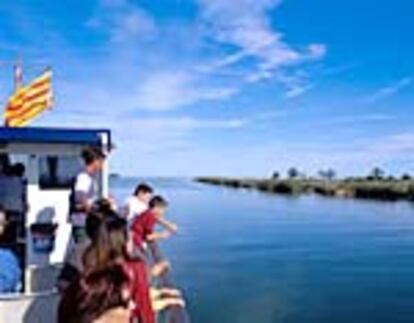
(244, 257)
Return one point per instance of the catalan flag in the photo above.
(29, 101)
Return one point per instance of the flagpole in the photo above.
(18, 79)
(18, 74)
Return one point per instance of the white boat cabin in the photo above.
(39, 210)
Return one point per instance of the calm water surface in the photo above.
(247, 257)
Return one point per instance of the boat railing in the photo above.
(4, 297)
(174, 314)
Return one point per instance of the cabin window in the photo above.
(13, 182)
(58, 172)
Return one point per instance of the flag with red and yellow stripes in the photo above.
(29, 101)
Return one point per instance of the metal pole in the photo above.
(18, 80)
(18, 74)
(104, 187)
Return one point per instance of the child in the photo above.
(138, 202)
(143, 232)
(143, 225)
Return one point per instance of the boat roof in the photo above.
(53, 135)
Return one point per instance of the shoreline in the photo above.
(381, 190)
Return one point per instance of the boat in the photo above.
(51, 159)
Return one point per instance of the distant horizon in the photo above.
(283, 175)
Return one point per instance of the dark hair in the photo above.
(143, 188)
(91, 296)
(91, 154)
(101, 210)
(4, 162)
(17, 169)
(7, 237)
(108, 244)
(104, 205)
(158, 201)
(92, 224)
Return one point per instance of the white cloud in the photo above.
(149, 136)
(164, 91)
(400, 144)
(168, 145)
(296, 84)
(221, 63)
(297, 90)
(185, 123)
(121, 75)
(122, 21)
(352, 120)
(148, 145)
(338, 69)
(246, 24)
(259, 75)
(358, 157)
(135, 23)
(388, 91)
(317, 51)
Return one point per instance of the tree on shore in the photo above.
(406, 177)
(292, 173)
(275, 175)
(328, 174)
(376, 174)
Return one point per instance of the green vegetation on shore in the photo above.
(374, 186)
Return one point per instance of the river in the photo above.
(248, 257)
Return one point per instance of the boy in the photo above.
(143, 225)
(138, 202)
(143, 230)
(83, 192)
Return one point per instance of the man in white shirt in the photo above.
(84, 191)
(138, 202)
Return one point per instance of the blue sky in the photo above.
(226, 87)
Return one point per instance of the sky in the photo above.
(225, 87)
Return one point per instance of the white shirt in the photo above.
(84, 184)
(133, 207)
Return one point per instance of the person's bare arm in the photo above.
(168, 225)
(156, 236)
(82, 203)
